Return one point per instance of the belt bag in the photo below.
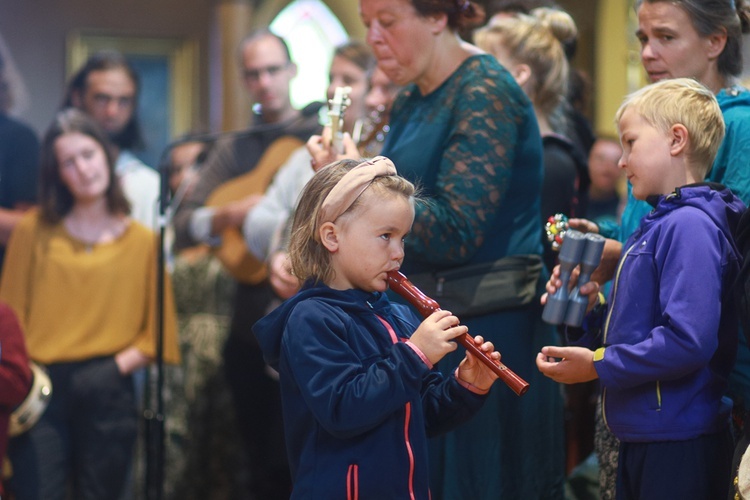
(489, 287)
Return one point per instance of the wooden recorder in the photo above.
(426, 306)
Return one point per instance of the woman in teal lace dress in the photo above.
(464, 131)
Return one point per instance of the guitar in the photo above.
(370, 133)
(232, 252)
(336, 108)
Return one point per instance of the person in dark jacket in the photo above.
(19, 164)
(359, 394)
(667, 342)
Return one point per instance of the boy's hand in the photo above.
(590, 289)
(434, 335)
(567, 365)
(554, 283)
(611, 255)
(474, 372)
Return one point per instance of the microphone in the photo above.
(309, 110)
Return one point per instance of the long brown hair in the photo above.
(56, 198)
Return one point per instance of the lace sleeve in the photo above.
(475, 168)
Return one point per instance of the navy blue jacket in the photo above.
(358, 405)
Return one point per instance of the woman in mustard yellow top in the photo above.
(81, 276)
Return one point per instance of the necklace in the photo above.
(90, 233)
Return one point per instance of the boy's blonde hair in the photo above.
(309, 258)
(687, 102)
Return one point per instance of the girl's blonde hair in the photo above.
(309, 258)
(536, 40)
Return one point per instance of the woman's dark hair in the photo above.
(130, 137)
(462, 14)
(56, 198)
(718, 16)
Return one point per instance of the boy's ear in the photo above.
(329, 236)
(678, 135)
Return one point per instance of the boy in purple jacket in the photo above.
(666, 341)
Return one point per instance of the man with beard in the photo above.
(267, 70)
(106, 88)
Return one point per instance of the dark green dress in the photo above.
(473, 145)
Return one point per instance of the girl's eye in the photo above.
(386, 236)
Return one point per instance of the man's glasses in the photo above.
(104, 100)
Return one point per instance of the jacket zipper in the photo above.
(606, 323)
(409, 451)
(352, 482)
(407, 419)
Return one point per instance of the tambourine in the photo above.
(555, 229)
(31, 409)
(742, 478)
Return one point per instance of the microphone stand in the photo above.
(154, 417)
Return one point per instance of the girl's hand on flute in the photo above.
(473, 372)
(435, 334)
